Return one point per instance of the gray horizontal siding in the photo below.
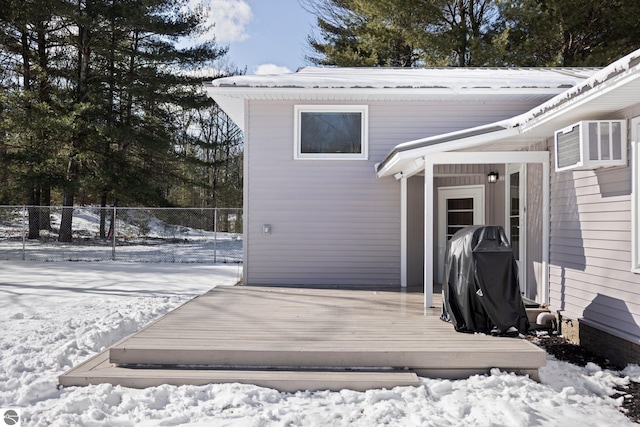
(394, 123)
(333, 222)
(415, 231)
(593, 280)
(534, 272)
(590, 249)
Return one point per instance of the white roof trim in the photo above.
(314, 84)
(456, 79)
(402, 157)
(419, 93)
(610, 79)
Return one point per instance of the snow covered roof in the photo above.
(605, 93)
(455, 79)
(394, 84)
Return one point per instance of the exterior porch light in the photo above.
(492, 177)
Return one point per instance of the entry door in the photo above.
(515, 215)
(458, 207)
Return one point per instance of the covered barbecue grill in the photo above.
(480, 288)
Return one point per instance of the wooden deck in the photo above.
(302, 339)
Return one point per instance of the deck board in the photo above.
(99, 370)
(303, 329)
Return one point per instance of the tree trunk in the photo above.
(77, 140)
(34, 216)
(103, 215)
(65, 234)
(45, 211)
(462, 35)
(112, 224)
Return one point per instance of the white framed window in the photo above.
(337, 132)
(635, 195)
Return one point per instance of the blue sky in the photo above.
(263, 35)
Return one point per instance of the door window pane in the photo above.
(515, 236)
(514, 213)
(458, 204)
(459, 215)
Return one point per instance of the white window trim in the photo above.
(364, 132)
(635, 196)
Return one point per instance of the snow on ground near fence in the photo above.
(140, 237)
(55, 315)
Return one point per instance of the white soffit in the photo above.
(234, 107)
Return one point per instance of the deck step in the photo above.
(99, 370)
(440, 356)
(324, 338)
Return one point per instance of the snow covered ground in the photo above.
(55, 315)
(140, 237)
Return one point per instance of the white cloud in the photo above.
(228, 17)
(270, 69)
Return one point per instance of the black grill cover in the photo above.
(480, 291)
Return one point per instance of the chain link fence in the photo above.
(195, 235)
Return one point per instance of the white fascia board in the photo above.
(402, 161)
(390, 168)
(563, 109)
(558, 108)
(373, 93)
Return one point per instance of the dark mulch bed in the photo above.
(565, 351)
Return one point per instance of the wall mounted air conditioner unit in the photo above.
(591, 144)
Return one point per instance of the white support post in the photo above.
(428, 233)
(545, 230)
(403, 232)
